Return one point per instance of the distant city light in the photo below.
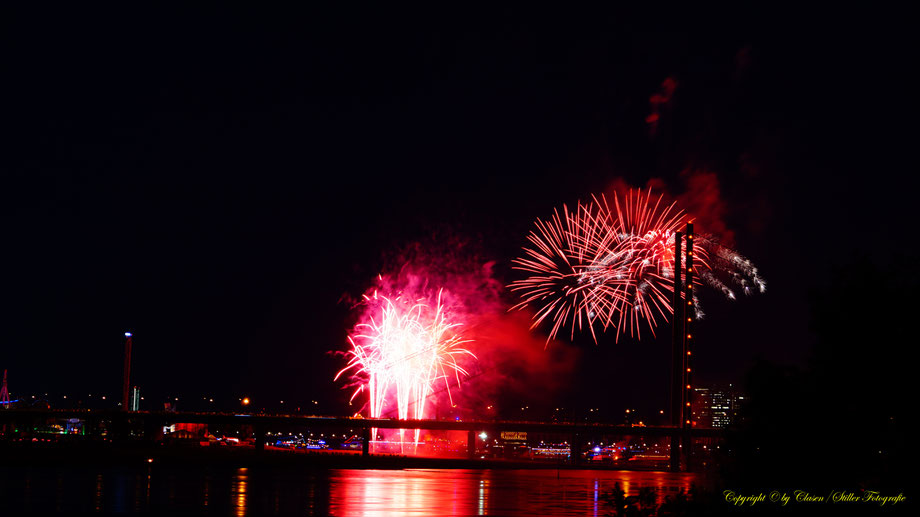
(246, 401)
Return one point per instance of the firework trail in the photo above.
(739, 270)
(614, 268)
(401, 351)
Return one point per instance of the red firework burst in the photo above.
(597, 266)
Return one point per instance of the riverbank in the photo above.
(134, 454)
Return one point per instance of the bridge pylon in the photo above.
(681, 336)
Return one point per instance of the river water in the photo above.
(286, 491)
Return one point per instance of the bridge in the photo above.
(681, 432)
(118, 424)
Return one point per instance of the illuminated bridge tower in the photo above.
(677, 353)
(689, 315)
(684, 312)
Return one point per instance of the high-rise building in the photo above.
(701, 407)
(721, 408)
(738, 401)
(716, 406)
(135, 404)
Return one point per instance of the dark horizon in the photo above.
(220, 183)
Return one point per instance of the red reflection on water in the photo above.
(490, 492)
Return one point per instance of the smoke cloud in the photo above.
(658, 102)
(512, 363)
(700, 198)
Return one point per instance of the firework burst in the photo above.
(402, 349)
(597, 267)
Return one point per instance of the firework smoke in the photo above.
(614, 268)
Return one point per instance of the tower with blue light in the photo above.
(126, 386)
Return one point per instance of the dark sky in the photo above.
(217, 181)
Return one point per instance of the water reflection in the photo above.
(597, 485)
(238, 490)
(299, 490)
(147, 491)
(206, 491)
(470, 492)
(97, 495)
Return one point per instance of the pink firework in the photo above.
(401, 351)
(597, 267)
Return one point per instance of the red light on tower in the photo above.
(4, 393)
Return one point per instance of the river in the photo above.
(245, 491)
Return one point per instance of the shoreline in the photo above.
(128, 455)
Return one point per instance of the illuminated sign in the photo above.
(515, 436)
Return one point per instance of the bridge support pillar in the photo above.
(153, 430)
(575, 449)
(118, 428)
(259, 435)
(471, 444)
(675, 453)
(366, 441)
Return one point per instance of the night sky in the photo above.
(220, 183)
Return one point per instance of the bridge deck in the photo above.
(311, 421)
